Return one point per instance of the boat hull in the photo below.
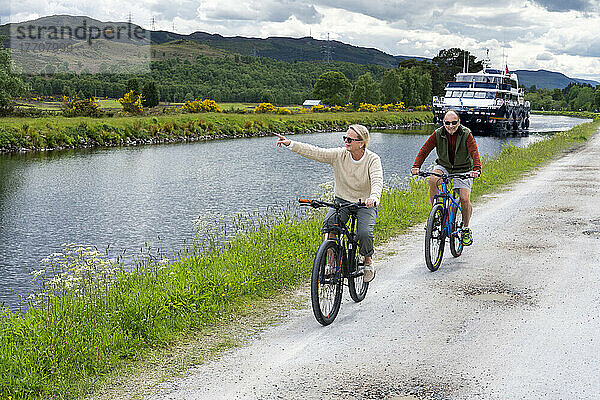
(487, 121)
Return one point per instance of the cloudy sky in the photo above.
(557, 35)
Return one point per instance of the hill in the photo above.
(279, 48)
(549, 79)
(289, 49)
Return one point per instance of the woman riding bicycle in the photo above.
(457, 153)
(358, 175)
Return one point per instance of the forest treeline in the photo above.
(259, 79)
(575, 97)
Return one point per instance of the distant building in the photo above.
(310, 103)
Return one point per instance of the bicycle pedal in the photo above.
(358, 273)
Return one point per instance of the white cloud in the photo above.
(534, 34)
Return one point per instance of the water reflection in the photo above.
(134, 197)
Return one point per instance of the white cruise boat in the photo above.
(488, 102)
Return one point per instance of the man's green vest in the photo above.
(463, 162)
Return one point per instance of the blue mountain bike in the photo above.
(445, 221)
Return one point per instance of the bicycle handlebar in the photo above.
(446, 176)
(314, 203)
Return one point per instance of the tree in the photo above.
(452, 61)
(391, 86)
(423, 88)
(407, 77)
(333, 88)
(438, 82)
(10, 85)
(150, 93)
(557, 94)
(365, 90)
(133, 84)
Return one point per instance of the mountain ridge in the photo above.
(291, 49)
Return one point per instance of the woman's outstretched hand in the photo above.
(282, 140)
(371, 203)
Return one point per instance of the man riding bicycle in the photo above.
(358, 176)
(457, 153)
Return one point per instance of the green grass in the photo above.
(63, 132)
(97, 319)
(580, 114)
(108, 103)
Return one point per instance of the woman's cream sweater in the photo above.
(354, 180)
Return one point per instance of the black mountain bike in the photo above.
(445, 221)
(337, 259)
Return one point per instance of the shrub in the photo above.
(319, 108)
(393, 107)
(78, 107)
(369, 107)
(265, 108)
(283, 111)
(131, 103)
(197, 106)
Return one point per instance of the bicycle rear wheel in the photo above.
(456, 246)
(326, 282)
(356, 284)
(435, 238)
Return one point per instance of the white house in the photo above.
(310, 103)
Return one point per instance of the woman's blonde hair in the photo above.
(362, 132)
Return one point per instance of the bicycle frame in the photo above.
(345, 239)
(450, 208)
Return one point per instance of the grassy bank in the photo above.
(18, 134)
(96, 318)
(579, 114)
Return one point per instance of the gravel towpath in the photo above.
(517, 316)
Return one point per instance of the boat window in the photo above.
(490, 95)
(480, 95)
(467, 95)
(456, 93)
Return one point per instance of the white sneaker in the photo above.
(369, 272)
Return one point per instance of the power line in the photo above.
(327, 51)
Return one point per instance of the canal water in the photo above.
(136, 199)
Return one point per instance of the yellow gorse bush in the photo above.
(424, 107)
(76, 107)
(319, 108)
(393, 107)
(131, 104)
(264, 108)
(366, 107)
(197, 106)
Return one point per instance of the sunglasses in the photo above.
(450, 122)
(350, 140)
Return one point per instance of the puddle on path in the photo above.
(497, 293)
(494, 296)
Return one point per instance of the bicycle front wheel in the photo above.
(456, 246)
(435, 238)
(356, 284)
(326, 282)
